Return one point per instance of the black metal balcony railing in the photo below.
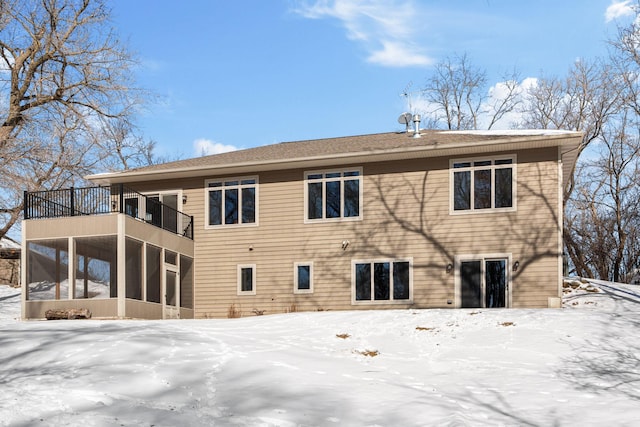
(104, 200)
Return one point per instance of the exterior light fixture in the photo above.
(516, 265)
(345, 245)
(449, 268)
(184, 199)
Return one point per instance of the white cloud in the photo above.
(384, 27)
(618, 9)
(205, 147)
(394, 54)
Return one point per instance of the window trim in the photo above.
(296, 290)
(390, 301)
(240, 186)
(342, 178)
(492, 167)
(240, 267)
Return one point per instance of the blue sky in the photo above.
(239, 74)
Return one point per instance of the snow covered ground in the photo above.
(575, 366)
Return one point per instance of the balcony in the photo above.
(106, 200)
(111, 250)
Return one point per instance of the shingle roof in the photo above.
(324, 147)
(362, 146)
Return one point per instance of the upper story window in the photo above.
(231, 201)
(333, 195)
(483, 184)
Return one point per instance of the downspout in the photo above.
(560, 222)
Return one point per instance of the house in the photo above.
(435, 219)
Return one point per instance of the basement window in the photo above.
(303, 278)
(247, 279)
(382, 281)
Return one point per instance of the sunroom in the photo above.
(111, 250)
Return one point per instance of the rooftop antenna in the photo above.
(408, 118)
(407, 94)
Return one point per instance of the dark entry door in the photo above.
(483, 283)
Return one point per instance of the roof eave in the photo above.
(567, 140)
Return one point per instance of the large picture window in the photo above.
(383, 281)
(333, 195)
(231, 201)
(483, 184)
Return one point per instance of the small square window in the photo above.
(247, 279)
(303, 278)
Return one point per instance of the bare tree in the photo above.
(594, 98)
(459, 98)
(126, 147)
(501, 104)
(585, 100)
(455, 90)
(602, 218)
(65, 85)
(625, 57)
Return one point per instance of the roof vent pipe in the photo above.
(416, 122)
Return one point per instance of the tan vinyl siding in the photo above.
(405, 215)
(99, 308)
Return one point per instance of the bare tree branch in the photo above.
(68, 82)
